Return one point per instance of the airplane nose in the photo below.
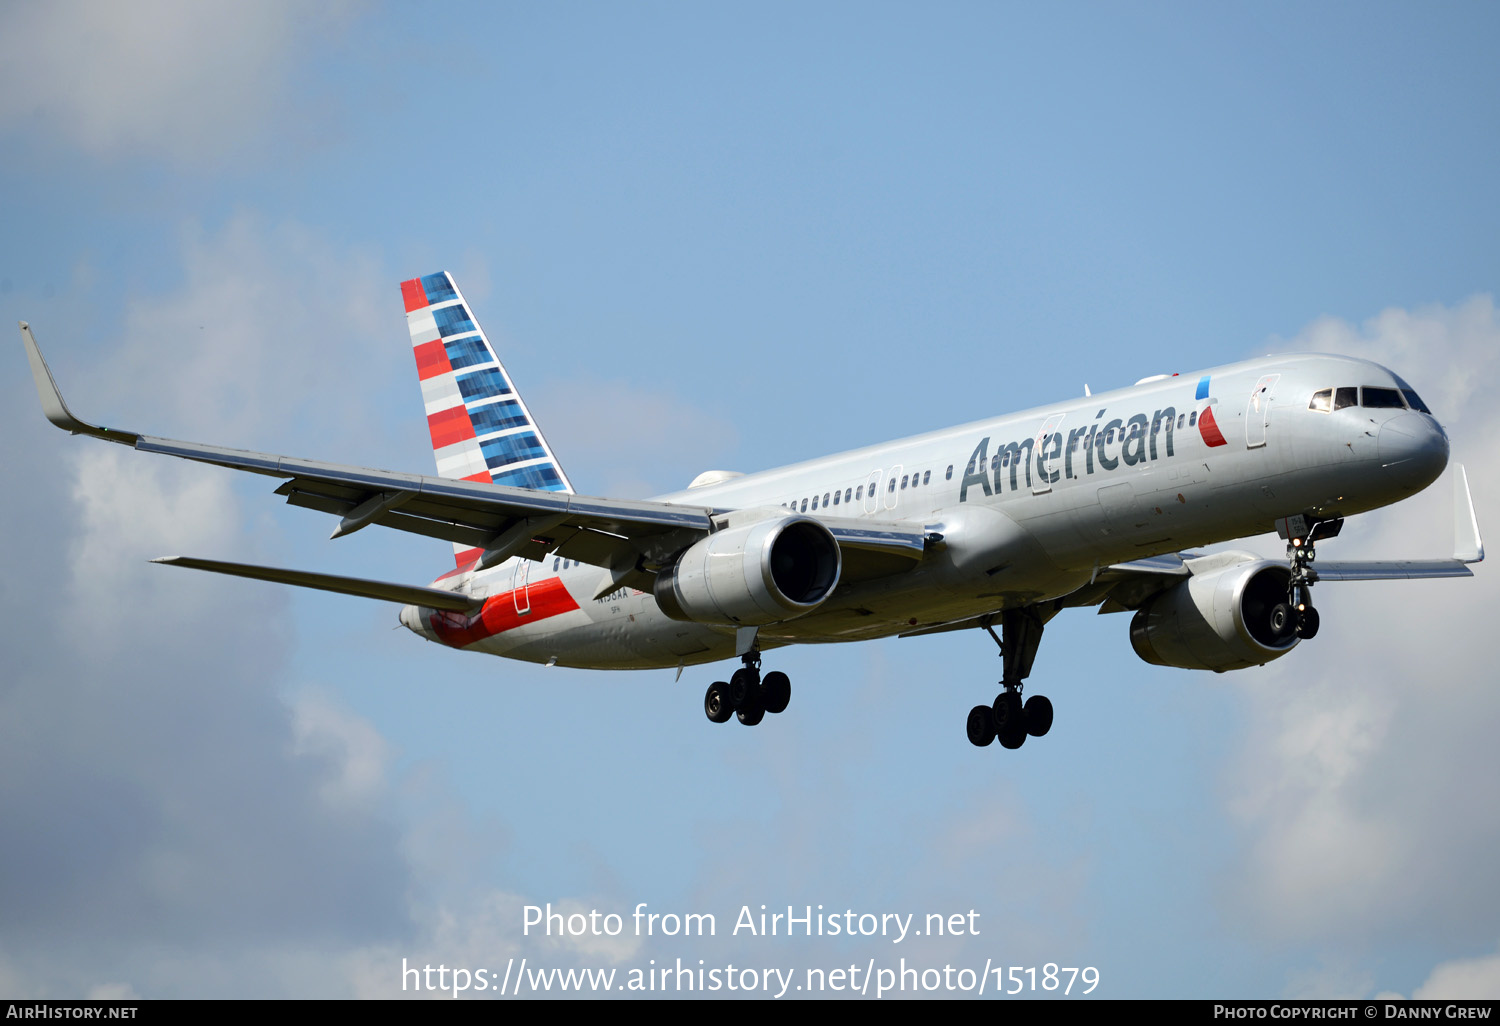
(1413, 450)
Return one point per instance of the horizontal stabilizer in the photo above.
(406, 594)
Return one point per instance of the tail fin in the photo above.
(481, 429)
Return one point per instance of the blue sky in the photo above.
(713, 236)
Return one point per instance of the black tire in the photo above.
(1307, 623)
(1038, 715)
(743, 684)
(1008, 714)
(1281, 620)
(777, 691)
(716, 703)
(1012, 737)
(981, 726)
(753, 711)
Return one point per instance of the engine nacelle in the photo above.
(764, 572)
(1219, 620)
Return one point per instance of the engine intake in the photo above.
(1222, 620)
(765, 572)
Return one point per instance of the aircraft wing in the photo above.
(624, 535)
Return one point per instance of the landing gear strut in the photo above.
(746, 695)
(1300, 550)
(1009, 718)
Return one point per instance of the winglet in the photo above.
(1468, 547)
(52, 401)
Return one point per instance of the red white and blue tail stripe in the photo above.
(481, 429)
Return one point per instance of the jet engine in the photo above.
(1219, 620)
(759, 573)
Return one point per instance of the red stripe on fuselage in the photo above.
(547, 599)
(432, 359)
(1209, 428)
(449, 426)
(413, 294)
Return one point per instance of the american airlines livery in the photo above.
(1001, 523)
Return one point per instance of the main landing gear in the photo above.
(747, 695)
(1010, 719)
(1300, 550)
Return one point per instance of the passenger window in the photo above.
(1193, 418)
(815, 502)
(859, 493)
(950, 473)
(554, 564)
(926, 476)
(847, 493)
(903, 482)
(804, 506)
(1322, 401)
(995, 462)
(1181, 418)
(1381, 399)
(1343, 397)
(825, 499)
(892, 488)
(835, 498)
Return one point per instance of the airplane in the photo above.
(1091, 501)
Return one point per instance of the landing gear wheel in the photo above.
(1008, 713)
(1012, 737)
(744, 685)
(753, 711)
(1281, 619)
(716, 703)
(1307, 623)
(777, 691)
(1038, 715)
(981, 726)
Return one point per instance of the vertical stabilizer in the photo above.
(481, 429)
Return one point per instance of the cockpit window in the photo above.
(1381, 399)
(1322, 401)
(1415, 402)
(1412, 399)
(1343, 397)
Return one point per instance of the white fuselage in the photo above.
(1029, 507)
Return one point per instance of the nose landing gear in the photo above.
(1301, 551)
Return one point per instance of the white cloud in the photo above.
(185, 79)
(1362, 784)
(1464, 979)
(174, 826)
(356, 754)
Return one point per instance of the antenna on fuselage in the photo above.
(1086, 392)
